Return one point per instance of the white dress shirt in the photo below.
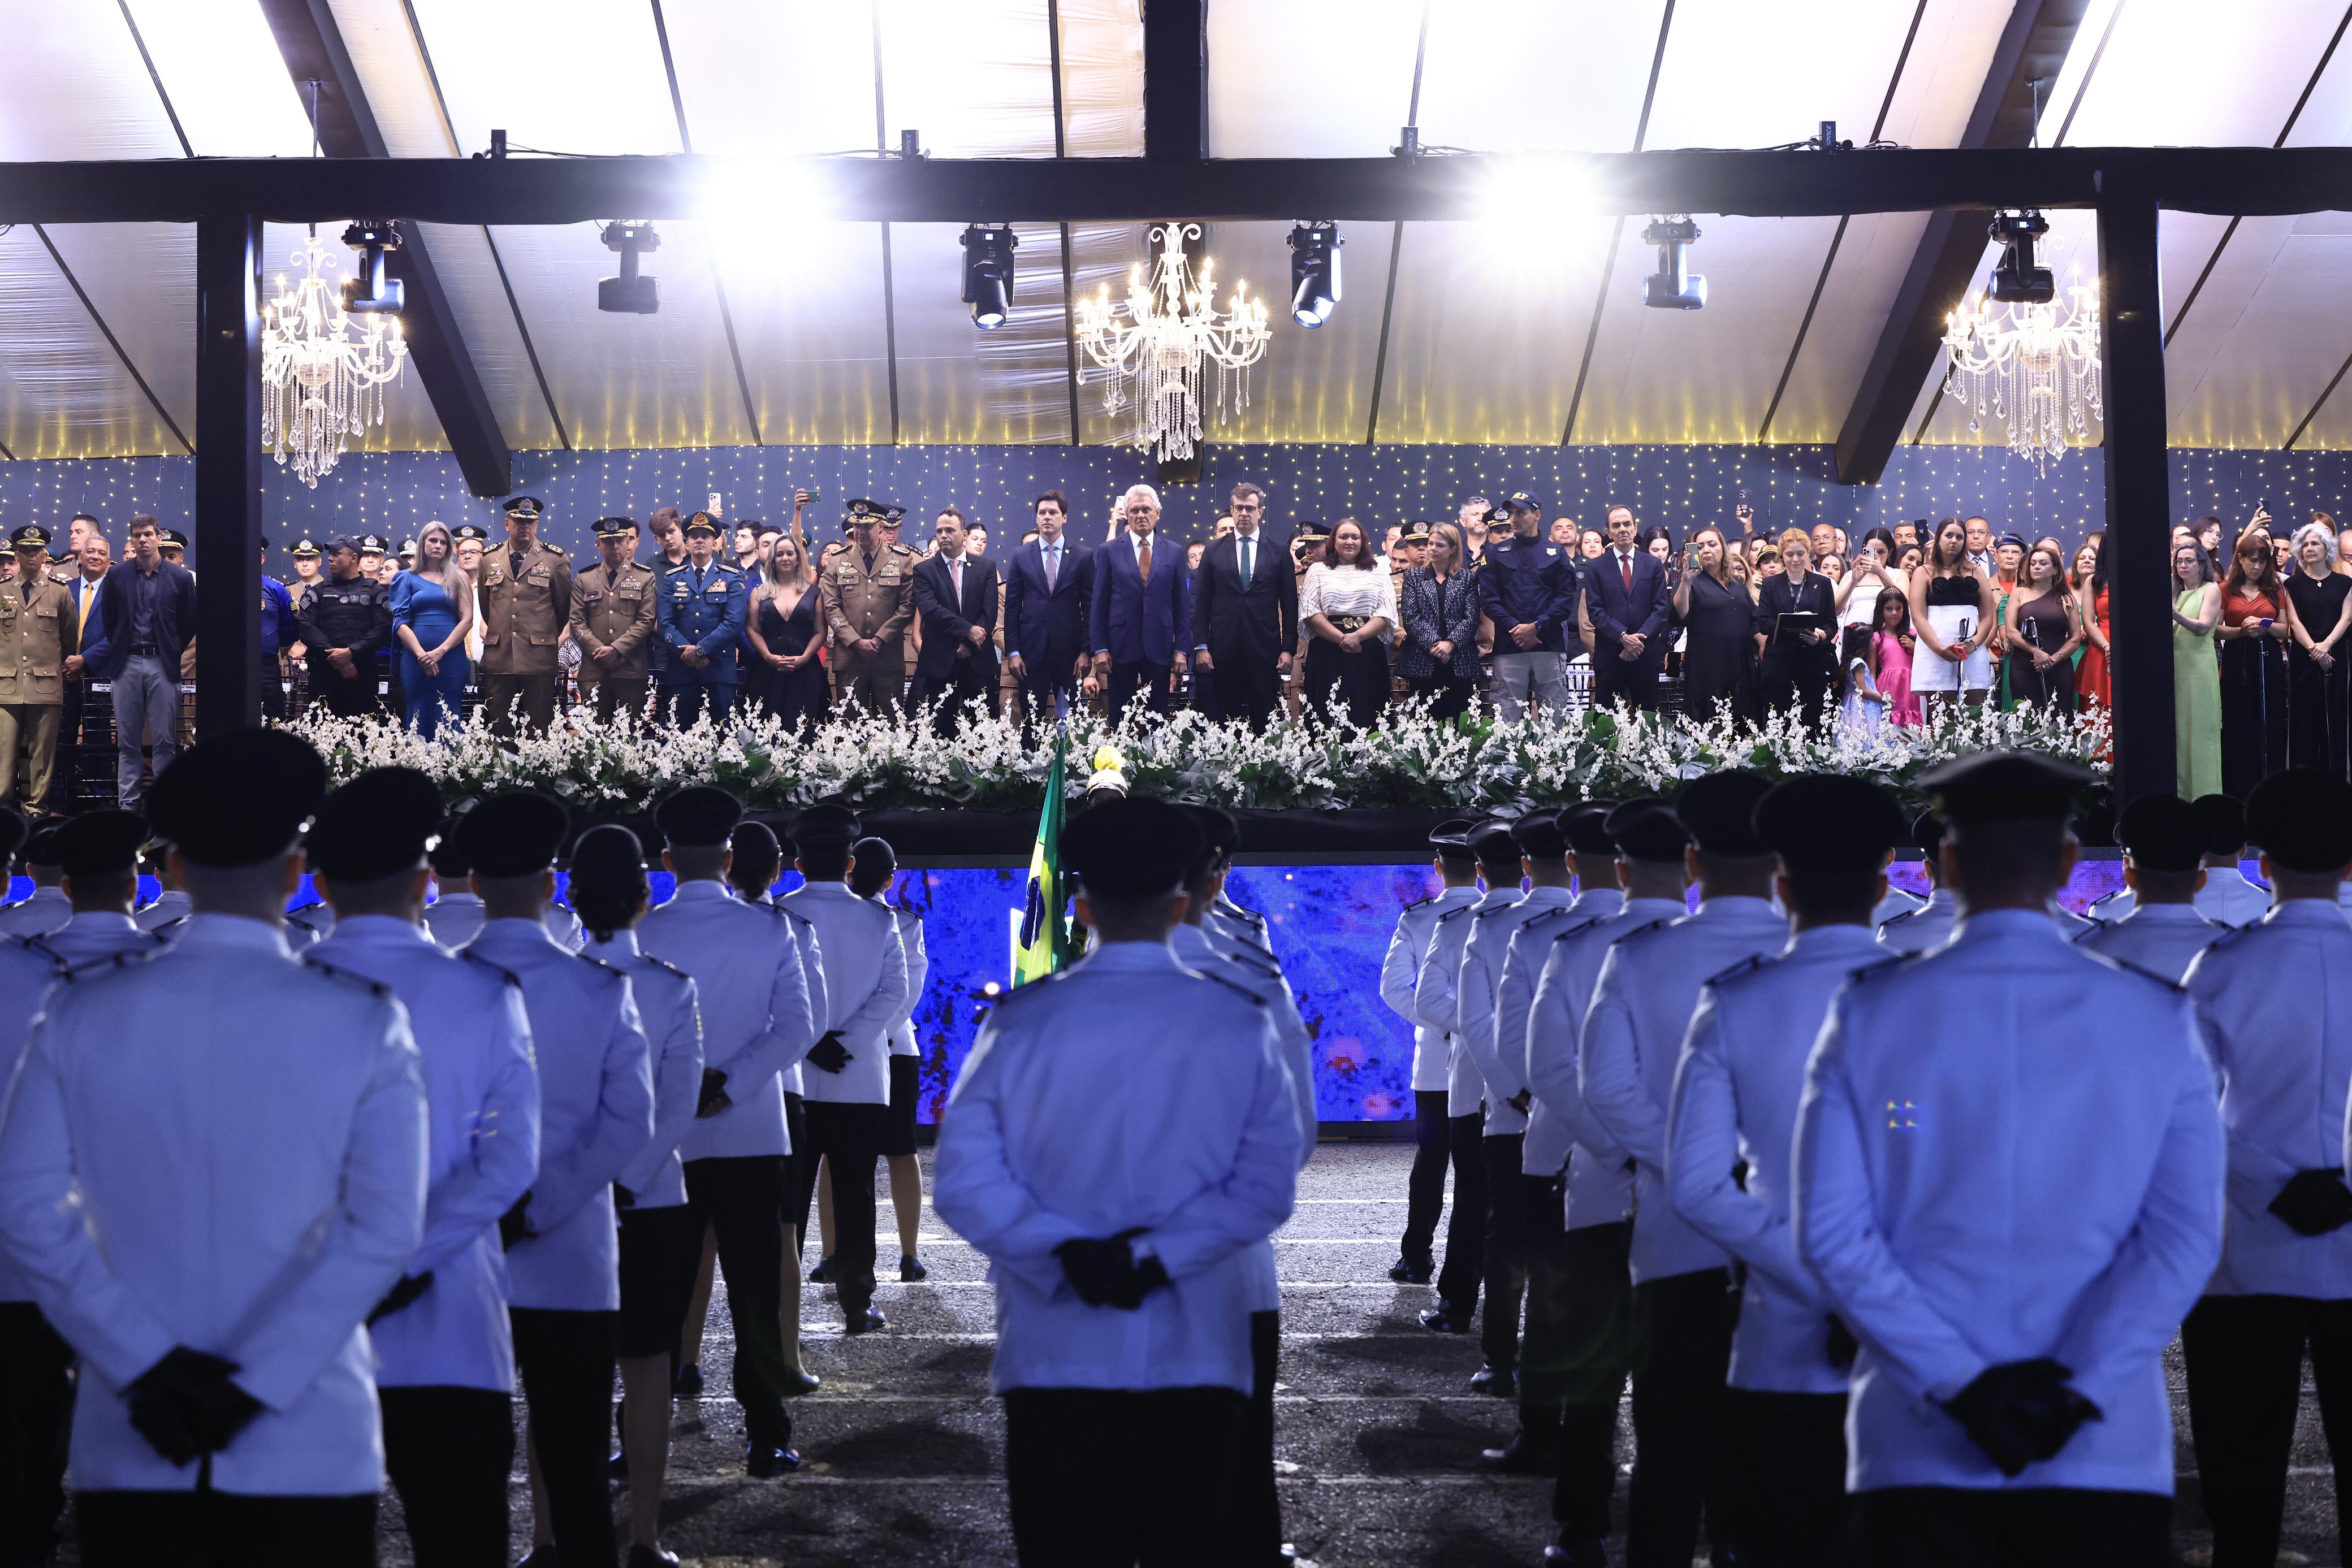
(865, 985)
(669, 1006)
(918, 969)
(48, 909)
(595, 1116)
(1561, 1125)
(1736, 1094)
(482, 1102)
(1968, 1195)
(1122, 1092)
(1641, 1007)
(171, 904)
(296, 1194)
(1401, 970)
(2282, 1046)
(1477, 1004)
(94, 936)
(757, 1020)
(1348, 590)
(2163, 939)
(1436, 1001)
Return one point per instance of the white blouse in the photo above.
(1348, 590)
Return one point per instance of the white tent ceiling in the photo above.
(778, 328)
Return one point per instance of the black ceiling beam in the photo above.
(1175, 81)
(2032, 49)
(312, 47)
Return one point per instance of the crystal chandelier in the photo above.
(2032, 363)
(1160, 354)
(323, 370)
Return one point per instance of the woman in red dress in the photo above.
(2092, 686)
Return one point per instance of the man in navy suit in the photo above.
(1139, 615)
(1046, 586)
(1625, 594)
(955, 597)
(1244, 616)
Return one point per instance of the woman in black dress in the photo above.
(782, 630)
(2319, 673)
(1800, 658)
(1717, 618)
(2042, 632)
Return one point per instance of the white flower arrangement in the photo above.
(1416, 760)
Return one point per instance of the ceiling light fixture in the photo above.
(631, 293)
(988, 274)
(323, 370)
(1674, 287)
(1313, 272)
(2034, 362)
(367, 291)
(1158, 355)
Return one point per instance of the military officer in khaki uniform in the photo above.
(865, 593)
(526, 598)
(38, 634)
(613, 622)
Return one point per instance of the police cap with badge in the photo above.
(1131, 849)
(526, 509)
(32, 535)
(702, 523)
(100, 844)
(863, 511)
(1829, 823)
(304, 548)
(474, 531)
(2302, 820)
(614, 528)
(381, 823)
(2163, 833)
(513, 834)
(239, 798)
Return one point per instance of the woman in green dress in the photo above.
(2196, 674)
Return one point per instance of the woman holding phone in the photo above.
(2042, 628)
(2253, 633)
(1952, 616)
(1717, 618)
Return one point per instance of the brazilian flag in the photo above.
(1041, 944)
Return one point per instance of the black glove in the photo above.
(185, 1406)
(511, 1227)
(2021, 1412)
(1104, 1273)
(828, 1055)
(623, 1198)
(713, 1097)
(2315, 1202)
(410, 1287)
(1843, 1346)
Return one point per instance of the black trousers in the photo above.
(742, 1199)
(1140, 679)
(1632, 682)
(1511, 1196)
(1244, 685)
(1783, 1482)
(1466, 1230)
(37, 1395)
(348, 696)
(1802, 678)
(1426, 1187)
(620, 694)
(224, 1530)
(567, 1363)
(1450, 693)
(1253, 1527)
(2244, 1356)
(449, 1451)
(848, 1138)
(1101, 1477)
(955, 692)
(1682, 1327)
(1341, 684)
(1038, 693)
(2034, 1527)
(1579, 1347)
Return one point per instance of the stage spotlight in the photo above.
(2015, 279)
(367, 291)
(630, 294)
(1674, 287)
(988, 274)
(1313, 272)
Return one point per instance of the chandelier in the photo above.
(1158, 355)
(323, 370)
(2033, 366)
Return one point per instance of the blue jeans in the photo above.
(430, 699)
(146, 700)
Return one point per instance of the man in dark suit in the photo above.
(1626, 595)
(1244, 616)
(1047, 585)
(147, 608)
(955, 595)
(1139, 616)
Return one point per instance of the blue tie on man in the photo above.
(1048, 585)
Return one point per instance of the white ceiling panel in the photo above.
(63, 389)
(583, 78)
(1516, 75)
(1300, 78)
(393, 72)
(142, 280)
(809, 322)
(72, 86)
(2297, 338)
(958, 383)
(464, 261)
(219, 64)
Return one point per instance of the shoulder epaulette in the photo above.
(615, 971)
(1015, 993)
(2126, 966)
(175, 920)
(1417, 903)
(1256, 959)
(2079, 938)
(1580, 928)
(1753, 962)
(777, 906)
(1235, 987)
(2228, 934)
(1646, 928)
(508, 976)
(902, 549)
(1901, 915)
(113, 961)
(1881, 967)
(1493, 909)
(1548, 915)
(375, 987)
(661, 964)
(1457, 909)
(40, 946)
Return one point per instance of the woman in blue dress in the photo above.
(432, 608)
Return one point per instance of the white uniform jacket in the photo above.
(1247, 927)
(1898, 901)
(1561, 1129)
(1437, 1003)
(1514, 1000)
(753, 989)
(669, 1006)
(1632, 1041)
(1736, 1095)
(181, 1165)
(481, 1103)
(170, 904)
(2281, 1039)
(96, 935)
(1477, 987)
(1969, 1194)
(1401, 970)
(2161, 938)
(918, 969)
(48, 909)
(2229, 899)
(865, 984)
(454, 918)
(27, 973)
(595, 1115)
(1123, 1091)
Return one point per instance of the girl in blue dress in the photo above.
(432, 610)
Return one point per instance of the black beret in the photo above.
(375, 826)
(1647, 829)
(2301, 818)
(238, 799)
(1540, 833)
(1587, 828)
(12, 834)
(1719, 813)
(1492, 843)
(2164, 832)
(1131, 847)
(608, 853)
(1451, 838)
(514, 835)
(1831, 821)
(1927, 832)
(2004, 787)
(752, 838)
(448, 858)
(97, 843)
(698, 817)
(41, 844)
(873, 854)
(1220, 834)
(824, 826)
(2224, 822)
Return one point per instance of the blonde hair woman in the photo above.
(2319, 678)
(431, 610)
(781, 627)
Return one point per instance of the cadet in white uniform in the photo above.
(1123, 1134)
(1511, 1196)
(661, 1237)
(876, 865)
(1683, 1304)
(1246, 925)
(1931, 922)
(1728, 1133)
(2227, 898)
(445, 1354)
(1457, 871)
(1897, 901)
(171, 903)
(454, 916)
(2266, 997)
(259, 1188)
(48, 908)
(849, 1091)
(756, 1021)
(595, 1117)
(2163, 843)
(2012, 1232)
(98, 852)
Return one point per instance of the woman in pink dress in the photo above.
(1892, 639)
